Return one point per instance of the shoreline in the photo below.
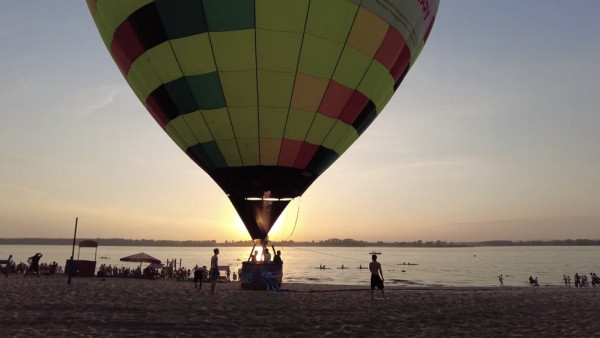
(44, 306)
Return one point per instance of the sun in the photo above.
(281, 230)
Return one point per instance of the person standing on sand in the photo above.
(10, 265)
(376, 280)
(501, 280)
(52, 269)
(34, 266)
(214, 270)
(198, 277)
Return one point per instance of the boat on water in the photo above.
(375, 253)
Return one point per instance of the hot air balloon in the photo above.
(264, 95)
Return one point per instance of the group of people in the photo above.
(266, 257)
(32, 266)
(533, 281)
(126, 272)
(213, 273)
(582, 280)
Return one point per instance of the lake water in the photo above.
(474, 266)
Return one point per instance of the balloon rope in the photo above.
(328, 254)
(296, 221)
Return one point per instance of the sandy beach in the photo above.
(116, 307)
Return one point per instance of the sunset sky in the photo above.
(494, 134)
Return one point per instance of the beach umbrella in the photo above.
(141, 258)
(264, 95)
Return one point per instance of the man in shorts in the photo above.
(376, 280)
(214, 270)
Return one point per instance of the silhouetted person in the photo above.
(376, 280)
(52, 269)
(10, 266)
(214, 270)
(34, 264)
(198, 277)
(277, 258)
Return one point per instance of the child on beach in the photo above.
(199, 276)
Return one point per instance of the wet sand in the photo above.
(116, 307)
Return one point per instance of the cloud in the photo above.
(99, 98)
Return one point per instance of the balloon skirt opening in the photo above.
(261, 276)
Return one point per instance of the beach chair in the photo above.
(223, 274)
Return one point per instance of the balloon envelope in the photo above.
(264, 95)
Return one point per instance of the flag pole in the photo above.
(71, 267)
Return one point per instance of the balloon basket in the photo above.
(261, 276)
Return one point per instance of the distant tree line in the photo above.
(107, 242)
(563, 242)
(332, 242)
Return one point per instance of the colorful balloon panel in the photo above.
(264, 95)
